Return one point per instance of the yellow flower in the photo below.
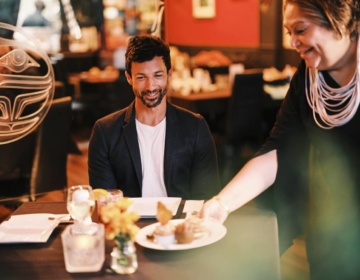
(123, 204)
(118, 221)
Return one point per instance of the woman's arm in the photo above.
(254, 178)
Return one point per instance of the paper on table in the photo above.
(192, 207)
(29, 228)
(146, 207)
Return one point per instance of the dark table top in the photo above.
(249, 250)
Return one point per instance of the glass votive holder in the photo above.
(113, 196)
(83, 252)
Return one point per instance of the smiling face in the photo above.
(149, 81)
(317, 45)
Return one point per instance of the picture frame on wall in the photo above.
(203, 8)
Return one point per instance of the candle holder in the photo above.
(84, 252)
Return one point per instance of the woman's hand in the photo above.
(259, 173)
(214, 209)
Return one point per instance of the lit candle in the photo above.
(81, 195)
(83, 253)
(83, 242)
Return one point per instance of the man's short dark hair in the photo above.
(143, 48)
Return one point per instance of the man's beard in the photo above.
(154, 102)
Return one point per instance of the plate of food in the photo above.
(179, 234)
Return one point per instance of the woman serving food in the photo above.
(321, 111)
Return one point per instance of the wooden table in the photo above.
(202, 102)
(214, 105)
(76, 79)
(249, 250)
(212, 101)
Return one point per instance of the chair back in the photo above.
(53, 139)
(15, 166)
(26, 93)
(244, 120)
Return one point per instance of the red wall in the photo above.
(236, 24)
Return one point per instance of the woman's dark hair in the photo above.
(143, 48)
(341, 16)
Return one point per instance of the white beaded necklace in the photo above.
(327, 102)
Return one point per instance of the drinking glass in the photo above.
(113, 196)
(81, 204)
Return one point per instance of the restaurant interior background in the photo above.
(212, 35)
(91, 70)
(248, 31)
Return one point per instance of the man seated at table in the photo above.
(153, 148)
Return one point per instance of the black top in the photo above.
(333, 207)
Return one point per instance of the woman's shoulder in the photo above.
(297, 83)
(301, 70)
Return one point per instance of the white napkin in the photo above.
(29, 228)
(146, 207)
(192, 207)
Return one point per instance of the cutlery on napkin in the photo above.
(62, 218)
(29, 227)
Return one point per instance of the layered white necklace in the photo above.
(332, 107)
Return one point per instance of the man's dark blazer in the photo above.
(190, 160)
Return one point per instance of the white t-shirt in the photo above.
(152, 145)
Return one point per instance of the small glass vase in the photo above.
(123, 255)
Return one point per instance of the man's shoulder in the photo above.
(184, 113)
(112, 119)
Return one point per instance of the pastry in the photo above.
(184, 233)
(164, 232)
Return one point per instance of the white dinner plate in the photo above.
(146, 207)
(216, 231)
(29, 228)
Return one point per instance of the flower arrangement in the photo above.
(120, 226)
(118, 221)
